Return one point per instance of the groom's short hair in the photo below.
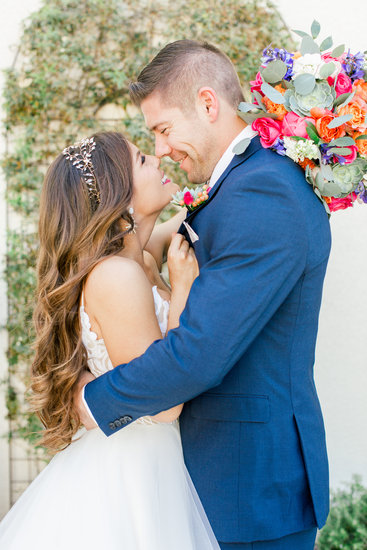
(181, 68)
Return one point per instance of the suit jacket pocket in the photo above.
(231, 408)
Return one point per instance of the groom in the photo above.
(242, 357)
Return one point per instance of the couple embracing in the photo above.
(229, 349)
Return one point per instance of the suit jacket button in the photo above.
(117, 423)
(125, 419)
(112, 425)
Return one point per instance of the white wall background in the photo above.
(341, 355)
(12, 13)
(341, 362)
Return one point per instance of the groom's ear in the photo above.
(208, 103)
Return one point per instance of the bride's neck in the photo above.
(135, 243)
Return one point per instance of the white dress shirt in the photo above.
(228, 155)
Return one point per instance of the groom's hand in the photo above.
(79, 404)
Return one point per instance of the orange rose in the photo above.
(360, 88)
(361, 144)
(307, 162)
(358, 108)
(317, 112)
(326, 133)
(276, 108)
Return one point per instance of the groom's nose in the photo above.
(162, 149)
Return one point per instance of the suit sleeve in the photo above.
(258, 253)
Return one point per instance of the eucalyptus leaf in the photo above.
(308, 175)
(241, 147)
(308, 45)
(326, 44)
(338, 121)
(363, 136)
(274, 71)
(287, 84)
(327, 70)
(338, 51)
(312, 132)
(246, 107)
(342, 142)
(343, 151)
(304, 83)
(250, 117)
(315, 29)
(312, 135)
(339, 100)
(272, 93)
(348, 99)
(326, 206)
(301, 33)
(259, 98)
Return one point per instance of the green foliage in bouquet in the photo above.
(346, 528)
(76, 59)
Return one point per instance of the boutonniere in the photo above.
(191, 198)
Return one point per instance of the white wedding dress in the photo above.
(129, 491)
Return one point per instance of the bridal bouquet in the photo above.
(311, 105)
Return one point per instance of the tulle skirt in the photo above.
(130, 491)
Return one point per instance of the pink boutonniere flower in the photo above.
(191, 198)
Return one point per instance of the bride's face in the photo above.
(152, 190)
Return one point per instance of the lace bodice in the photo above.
(98, 359)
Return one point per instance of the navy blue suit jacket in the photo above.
(242, 358)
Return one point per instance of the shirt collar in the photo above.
(228, 155)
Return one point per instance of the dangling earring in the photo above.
(131, 227)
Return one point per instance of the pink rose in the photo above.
(256, 85)
(188, 198)
(294, 125)
(343, 84)
(341, 204)
(327, 57)
(353, 154)
(268, 129)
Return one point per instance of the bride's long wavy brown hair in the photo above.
(75, 235)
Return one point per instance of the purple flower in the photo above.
(326, 157)
(361, 192)
(270, 54)
(353, 65)
(279, 147)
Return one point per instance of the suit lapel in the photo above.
(254, 146)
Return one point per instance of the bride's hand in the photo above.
(183, 267)
(79, 404)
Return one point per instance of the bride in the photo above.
(101, 302)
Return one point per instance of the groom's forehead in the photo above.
(156, 113)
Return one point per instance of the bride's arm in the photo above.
(183, 270)
(122, 312)
(161, 237)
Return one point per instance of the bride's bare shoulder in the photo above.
(116, 274)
